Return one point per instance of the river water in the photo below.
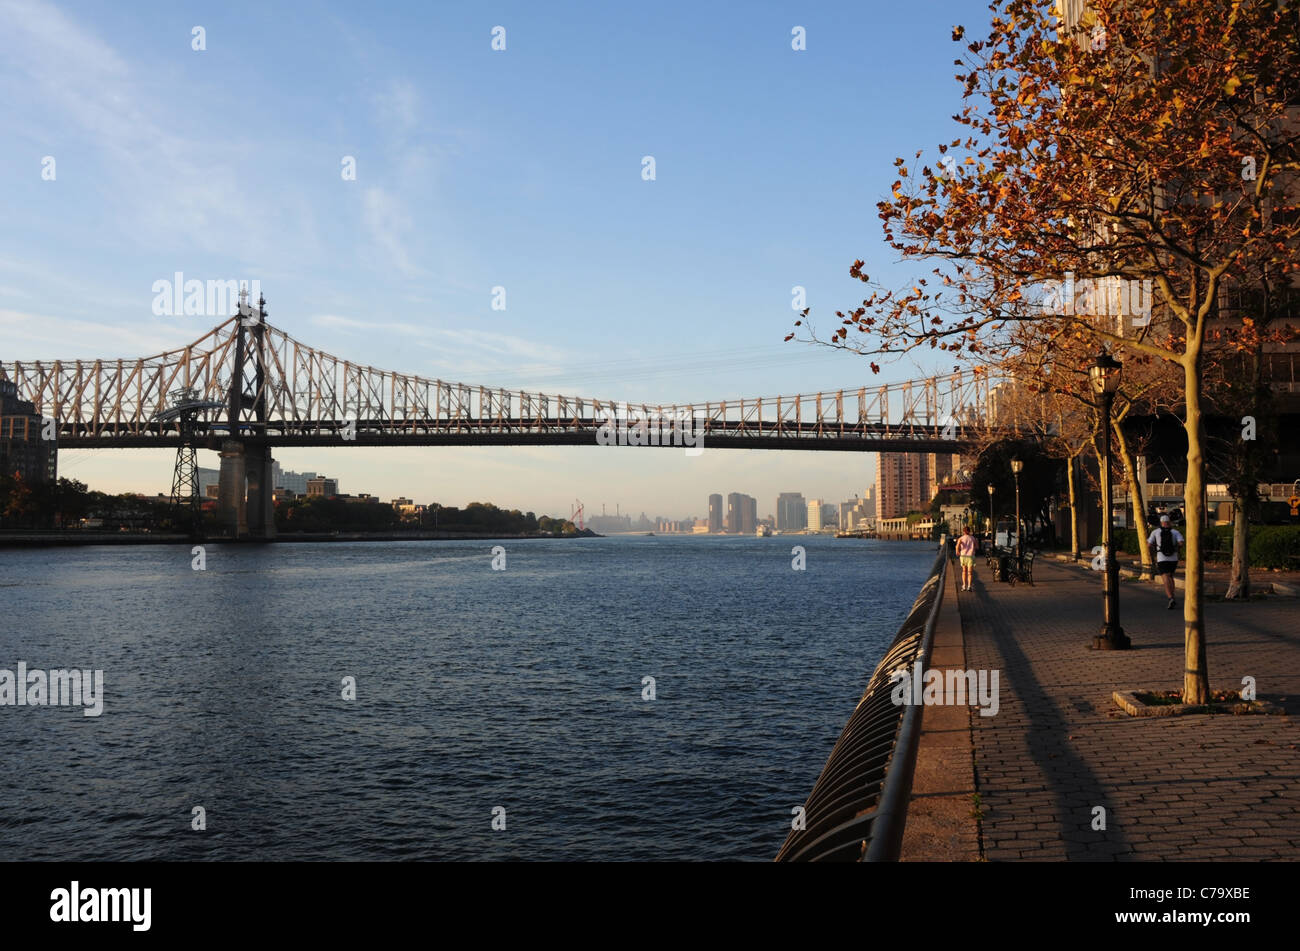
(483, 697)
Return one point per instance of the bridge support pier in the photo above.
(260, 505)
(230, 489)
(245, 492)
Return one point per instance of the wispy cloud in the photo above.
(390, 227)
(336, 322)
(161, 172)
(397, 108)
(511, 360)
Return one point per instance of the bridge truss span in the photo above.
(278, 391)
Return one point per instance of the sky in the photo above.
(476, 168)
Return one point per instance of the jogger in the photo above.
(1167, 539)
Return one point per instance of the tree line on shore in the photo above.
(64, 504)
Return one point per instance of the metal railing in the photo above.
(858, 806)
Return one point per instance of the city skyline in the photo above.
(852, 486)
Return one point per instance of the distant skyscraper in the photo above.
(815, 515)
(742, 513)
(791, 512)
(902, 481)
(734, 506)
(715, 513)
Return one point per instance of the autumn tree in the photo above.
(1101, 155)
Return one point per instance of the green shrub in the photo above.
(1126, 540)
(1271, 546)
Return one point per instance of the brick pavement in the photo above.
(1174, 788)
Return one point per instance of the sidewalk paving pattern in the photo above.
(1186, 788)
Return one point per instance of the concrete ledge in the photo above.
(1128, 701)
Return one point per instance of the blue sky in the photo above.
(475, 168)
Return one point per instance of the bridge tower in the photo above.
(245, 490)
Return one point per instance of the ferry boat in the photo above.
(764, 531)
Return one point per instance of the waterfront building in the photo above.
(902, 481)
(22, 450)
(733, 513)
(287, 479)
(848, 513)
(791, 512)
(742, 514)
(321, 486)
(715, 513)
(815, 520)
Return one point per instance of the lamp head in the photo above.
(1104, 374)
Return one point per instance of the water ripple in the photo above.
(476, 691)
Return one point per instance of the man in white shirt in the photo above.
(1166, 540)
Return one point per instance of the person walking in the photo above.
(966, 552)
(1166, 539)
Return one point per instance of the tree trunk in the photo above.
(1139, 501)
(1196, 678)
(1239, 583)
(1071, 465)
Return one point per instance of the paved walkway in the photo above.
(1173, 788)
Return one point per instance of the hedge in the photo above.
(1271, 546)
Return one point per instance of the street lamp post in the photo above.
(993, 526)
(1016, 466)
(1104, 375)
